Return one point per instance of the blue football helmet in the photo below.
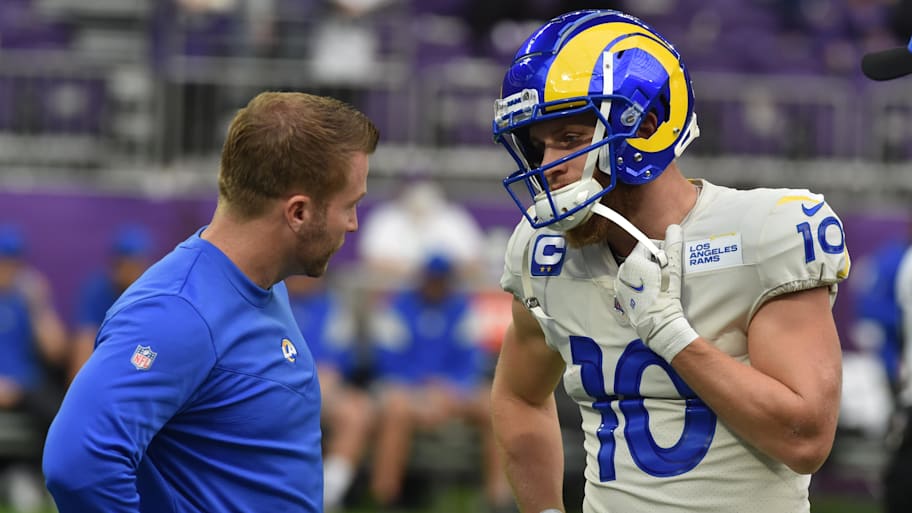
(602, 62)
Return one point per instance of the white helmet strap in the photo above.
(602, 156)
(618, 219)
(691, 132)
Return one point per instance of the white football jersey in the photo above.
(651, 443)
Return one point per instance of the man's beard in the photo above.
(594, 231)
(320, 251)
(317, 266)
(317, 249)
(598, 229)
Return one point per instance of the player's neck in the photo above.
(652, 207)
(250, 244)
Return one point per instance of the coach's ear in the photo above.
(298, 211)
(649, 126)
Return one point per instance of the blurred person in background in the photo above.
(344, 48)
(878, 314)
(895, 313)
(706, 365)
(898, 473)
(33, 343)
(400, 234)
(329, 330)
(430, 369)
(130, 251)
(201, 394)
(871, 370)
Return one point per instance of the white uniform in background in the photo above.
(648, 438)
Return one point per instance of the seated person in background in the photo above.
(398, 234)
(33, 345)
(328, 327)
(130, 253)
(430, 368)
(32, 335)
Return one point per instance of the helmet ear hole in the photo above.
(666, 107)
(649, 125)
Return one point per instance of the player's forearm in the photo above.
(792, 429)
(530, 440)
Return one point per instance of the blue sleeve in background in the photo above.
(329, 329)
(465, 366)
(19, 359)
(876, 302)
(395, 364)
(396, 354)
(464, 362)
(343, 360)
(113, 409)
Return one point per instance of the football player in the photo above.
(691, 322)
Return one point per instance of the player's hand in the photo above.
(650, 295)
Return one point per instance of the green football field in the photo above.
(463, 500)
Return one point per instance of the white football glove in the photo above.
(651, 296)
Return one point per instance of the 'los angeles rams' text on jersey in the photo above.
(651, 443)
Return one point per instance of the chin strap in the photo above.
(657, 254)
(691, 132)
(641, 237)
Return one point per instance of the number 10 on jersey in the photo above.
(649, 456)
